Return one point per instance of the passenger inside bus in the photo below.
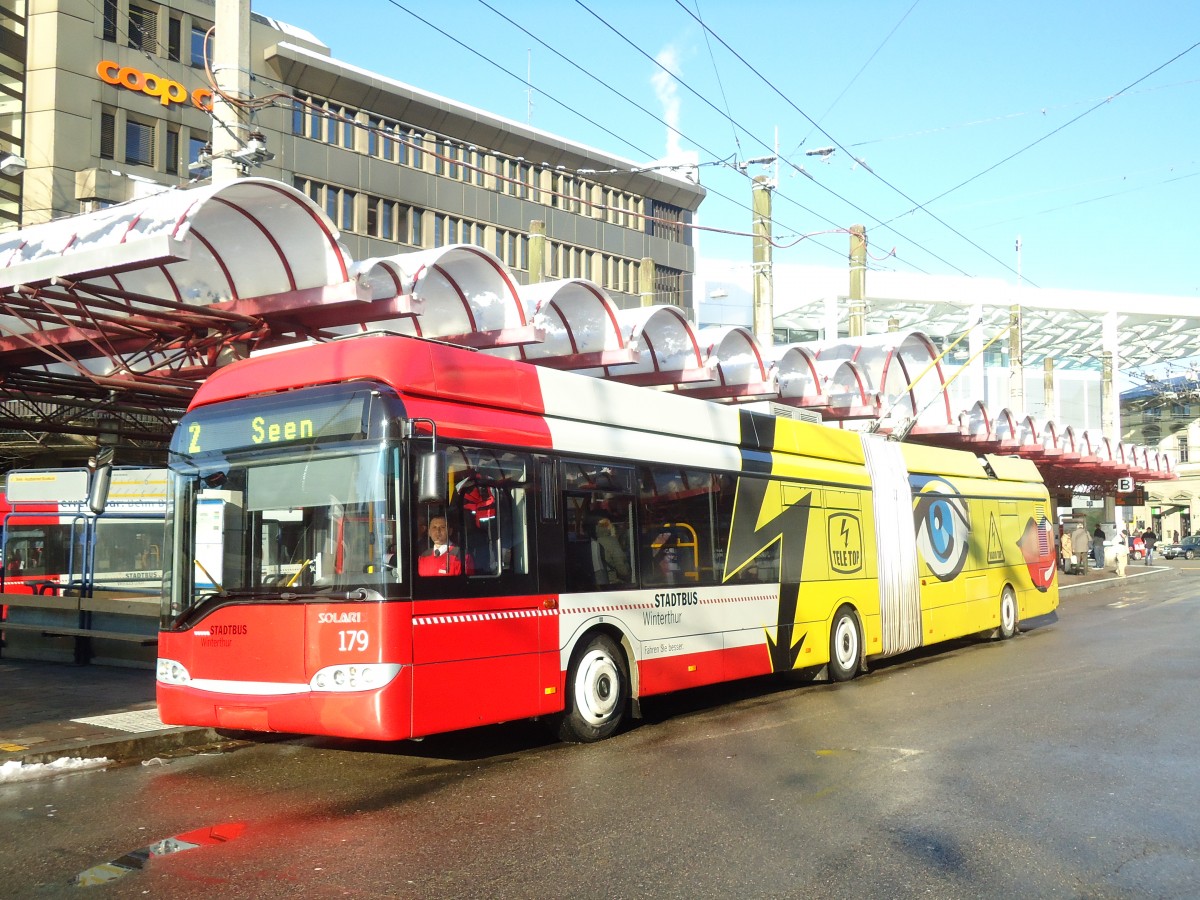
(609, 558)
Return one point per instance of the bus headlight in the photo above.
(355, 677)
(171, 672)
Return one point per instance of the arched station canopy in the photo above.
(903, 369)
(460, 293)
(666, 350)
(111, 320)
(209, 245)
(736, 363)
(799, 378)
(579, 324)
(107, 320)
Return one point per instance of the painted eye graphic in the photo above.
(942, 526)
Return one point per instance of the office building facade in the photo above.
(108, 101)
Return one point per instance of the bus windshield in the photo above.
(320, 523)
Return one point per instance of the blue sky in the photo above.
(1073, 125)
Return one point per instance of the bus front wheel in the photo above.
(845, 645)
(1008, 613)
(597, 692)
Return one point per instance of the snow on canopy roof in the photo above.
(248, 238)
(269, 256)
(579, 319)
(459, 292)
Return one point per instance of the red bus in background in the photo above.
(51, 544)
(384, 537)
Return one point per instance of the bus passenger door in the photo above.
(476, 616)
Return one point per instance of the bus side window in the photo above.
(678, 516)
(487, 514)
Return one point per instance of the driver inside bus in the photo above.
(442, 557)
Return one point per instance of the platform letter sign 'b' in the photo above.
(1124, 485)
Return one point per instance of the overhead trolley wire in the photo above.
(1055, 131)
(767, 146)
(840, 146)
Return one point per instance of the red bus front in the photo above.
(313, 589)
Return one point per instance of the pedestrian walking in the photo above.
(1098, 547)
(1149, 539)
(1121, 555)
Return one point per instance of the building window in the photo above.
(415, 238)
(401, 146)
(1183, 448)
(110, 20)
(108, 135)
(139, 143)
(174, 38)
(198, 32)
(173, 151)
(668, 286)
(665, 221)
(196, 146)
(480, 175)
(143, 28)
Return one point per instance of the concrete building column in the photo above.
(646, 281)
(537, 251)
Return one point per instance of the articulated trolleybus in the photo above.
(387, 538)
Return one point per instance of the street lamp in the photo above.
(12, 165)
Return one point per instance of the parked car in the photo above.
(1188, 548)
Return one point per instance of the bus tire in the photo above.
(597, 692)
(845, 645)
(1008, 613)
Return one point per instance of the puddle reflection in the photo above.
(136, 860)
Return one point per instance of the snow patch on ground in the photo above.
(15, 770)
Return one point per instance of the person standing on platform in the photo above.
(1098, 547)
(1149, 539)
(1122, 552)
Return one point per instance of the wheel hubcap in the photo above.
(847, 644)
(597, 687)
(1008, 612)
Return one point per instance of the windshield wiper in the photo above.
(215, 598)
(356, 594)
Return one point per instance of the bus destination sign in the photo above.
(263, 425)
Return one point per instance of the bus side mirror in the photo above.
(101, 469)
(431, 479)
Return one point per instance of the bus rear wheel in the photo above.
(1008, 614)
(597, 692)
(845, 645)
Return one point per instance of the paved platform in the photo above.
(51, 711)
